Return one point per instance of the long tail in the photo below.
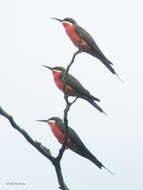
(108, 64)
(91, 101)
(98, 163)
(94, 98)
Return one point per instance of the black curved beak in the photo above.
(48, 67)
(57, 19)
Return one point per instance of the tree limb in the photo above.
(36, 144)
(41, 148)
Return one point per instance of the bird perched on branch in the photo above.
(74, 143)
(84, 41)
(73, 87)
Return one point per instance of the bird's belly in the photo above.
(58, 83)
(69, 90)
(75, 38)
(60, 136)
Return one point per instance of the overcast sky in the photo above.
(29, 39)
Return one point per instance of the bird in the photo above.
(74, 142)
(84, 41)
(73, 87)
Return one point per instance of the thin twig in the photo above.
(72, 60)
(62, 149)
(67, 108)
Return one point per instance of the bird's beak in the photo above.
(42, 121)
(47, 67)
(57, 19)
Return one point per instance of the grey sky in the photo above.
(29, 39)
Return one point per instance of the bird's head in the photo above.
(56, 69)
(51, 120)
(66, 21)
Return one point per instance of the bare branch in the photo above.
(59, 174)
(72, 61)
(36, 144)
(67, 108)
(41, 148)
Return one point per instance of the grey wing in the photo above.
(74, 83)
(79, 146)
(88, 38)
(76, 139)
(71, 133)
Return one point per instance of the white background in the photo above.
(29, 39)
